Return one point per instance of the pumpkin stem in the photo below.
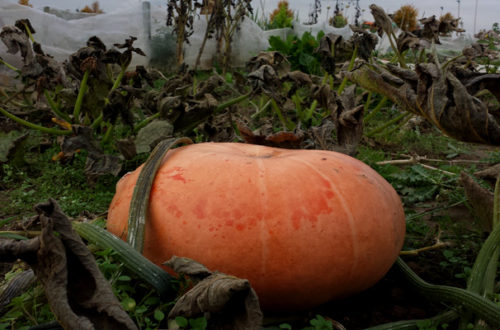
(140, 199)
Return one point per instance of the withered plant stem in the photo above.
(34, 126)
(13, 68)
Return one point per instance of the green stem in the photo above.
(145, 122)
(483, 308)
(261, 110)
(108, 134)
(433, 322)
(395, 48)
(29, 32)
(34, 126)
(496, 204)
(377, 109)
(349, 68)
(309, 112)
(234, 101)
(55, 107)
(13, 68)
(159, 279)
(79, 99)
(140, 198)
(97, 121)
(298, 104)
(119, 78)
(476, 279)
(368, 102)
(287, 125)
(399, 125)
(387, 124)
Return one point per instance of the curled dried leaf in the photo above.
(382, 20)
(272, 58)
(78, 293)
(17, 41)
(227, 301)
(437, 95)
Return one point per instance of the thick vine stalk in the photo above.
(140, 198)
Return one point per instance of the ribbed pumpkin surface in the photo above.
(304, 226)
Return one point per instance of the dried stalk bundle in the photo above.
(445, 97)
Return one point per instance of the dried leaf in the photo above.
(11, 146)
(119, 105)
(227, 301)
(480, 199)
(489, 81)
(288, 140)
(197, 112)
(274, 59)
(349, 121)
(209, 85)
(491, 173)
(407, 40)
(364, 40)
(17, 41)
(430, 31)
(437, 95)
(382, 20)
(265, 79)
(97, 163)
(127, 148)
(329, 52)
(79, 295)
(149, 136)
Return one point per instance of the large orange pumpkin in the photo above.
(304, 226)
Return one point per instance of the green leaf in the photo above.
(12, 236)
(181, 321)
(11, 146)
(199, 323)
(128, 304)
(159, 315)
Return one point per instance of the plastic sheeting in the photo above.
(60, 37)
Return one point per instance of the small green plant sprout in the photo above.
(338, 20)
(281, 17)
(321, 323)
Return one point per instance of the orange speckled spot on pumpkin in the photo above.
(174, 210)
(176, 174)
(199, 209)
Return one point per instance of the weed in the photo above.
(300, 52)
(44, 178)
(199, 323)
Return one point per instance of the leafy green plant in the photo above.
(281, 17)
(418, 184)
(320, 323)
(300, 52)
(199, 323)
(457, 261)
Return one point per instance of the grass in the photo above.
(43, 179)
(40, 178)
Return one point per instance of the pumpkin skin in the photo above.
(303, 226)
